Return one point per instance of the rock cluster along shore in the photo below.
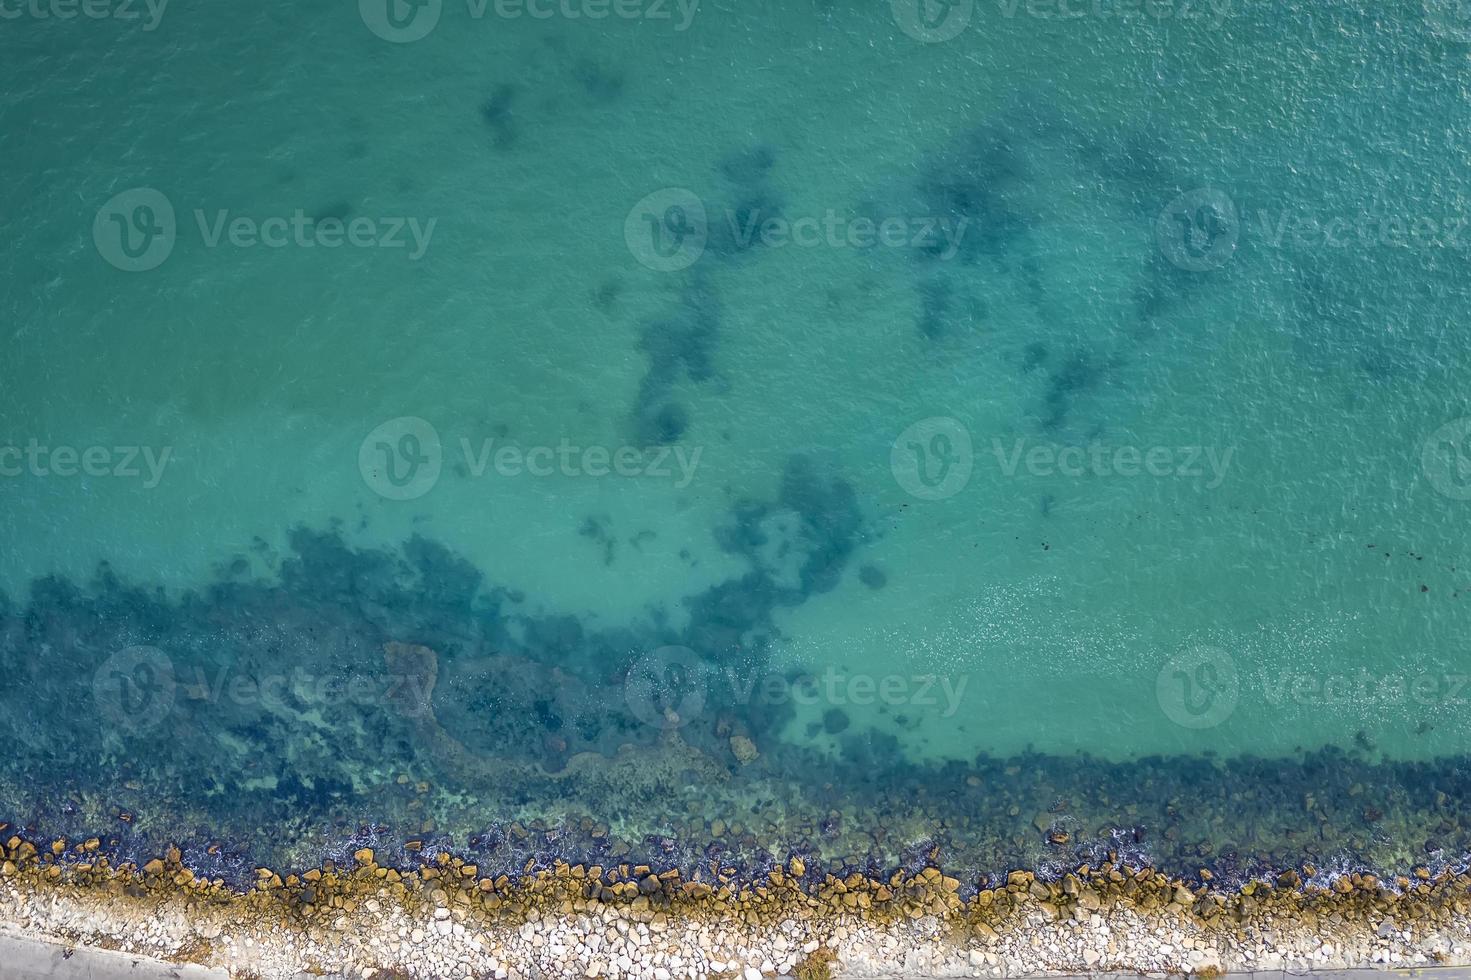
(447, 920)
(325, 691)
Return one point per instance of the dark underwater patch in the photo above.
(748, 166)
(598, 83)
(1240, 817)
(834, 720)
(935, 296)
(991, 176)
(740, 223)
(1080, 373)
(497, 112)
(1339, 317)
(259, 667)
(680, 346)
(605, 297)
(800, 544)
(336, 211)
(599, 530)
(746, 202)
(975, 183)
(1034, 355)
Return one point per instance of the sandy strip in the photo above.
(22, 958)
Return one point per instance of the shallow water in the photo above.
(1004, 420)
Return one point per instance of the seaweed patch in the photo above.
(497, 112)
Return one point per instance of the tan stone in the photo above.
(744, 749)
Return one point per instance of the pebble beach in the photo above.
(443, 922)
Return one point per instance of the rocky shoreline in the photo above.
(445, 920)
(693, 838)
(329, 697)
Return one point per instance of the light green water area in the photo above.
(1065, 376)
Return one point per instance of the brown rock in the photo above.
(744, 749)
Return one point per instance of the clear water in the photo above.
(1053, 413)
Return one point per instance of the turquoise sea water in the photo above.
(858, 421)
